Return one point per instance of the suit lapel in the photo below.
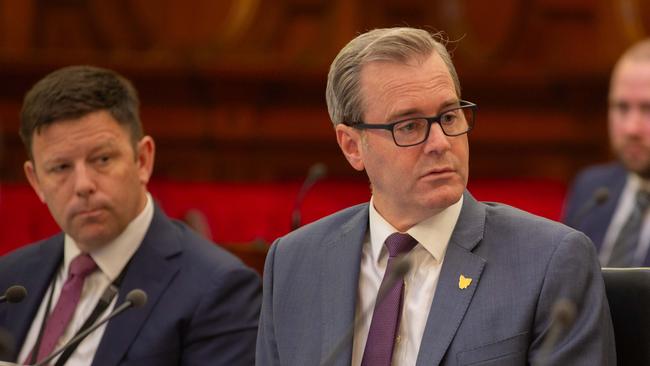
(451, 300)
(151, 269)
(340, 281)
(47, 259)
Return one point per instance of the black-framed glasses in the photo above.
(413, 131)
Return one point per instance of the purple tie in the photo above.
(385, 319)
(80, 267)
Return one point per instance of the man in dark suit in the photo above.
(483, 279)
(610, 202)
(90, 162)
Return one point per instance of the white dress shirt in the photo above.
(626, 204)
(111, 260)
(420, 283)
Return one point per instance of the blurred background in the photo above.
(233, 93)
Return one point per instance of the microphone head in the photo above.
(15, 293)
(564, 312)
(317, 171)
(137, 298)
(601, 195)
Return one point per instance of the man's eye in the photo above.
(448, 118)
(409, 126)
(59, 168)
(621, 107)
(103, 160)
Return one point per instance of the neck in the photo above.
(401, 220)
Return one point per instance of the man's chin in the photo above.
(91, 240)
(444, 198)
(641, 169)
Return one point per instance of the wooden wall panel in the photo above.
(234, 90)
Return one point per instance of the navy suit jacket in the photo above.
(580, 211)
(520, 265)
(202, 309)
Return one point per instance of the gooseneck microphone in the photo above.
(14, 294)
(401, 267)
(563, 314)
(598, 198)
(7, 347)
(134, 299)
(316, 172)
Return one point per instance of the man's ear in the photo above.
(146, 151)
(350, 143)
(30, 173)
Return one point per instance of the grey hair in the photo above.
(401, 44)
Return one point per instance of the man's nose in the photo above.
(635, 121)
(437, 141)
(83, 180)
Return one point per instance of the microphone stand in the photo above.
(400, 269)
(316, 173)
(135, 298)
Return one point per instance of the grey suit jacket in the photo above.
(202, 307)
(520, 265)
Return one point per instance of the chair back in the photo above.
(628, 294)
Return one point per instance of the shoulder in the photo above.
(598, 174)
(530, 231)
(327, 228)
(305, 249)
(198, 257)
(611, 177)
(46, 246)
(203, 255)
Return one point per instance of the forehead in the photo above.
(631, 78)
(420, 83)
(76, 134)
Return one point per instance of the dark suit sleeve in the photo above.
(224, 325)
(573, 273)
(577, 194)
(267, 352)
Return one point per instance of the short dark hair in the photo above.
(75, 91)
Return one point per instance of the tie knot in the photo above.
(82, 265)
(643, 199)
(398, 243)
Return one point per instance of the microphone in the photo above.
(401, 267)
(6, 346)
(563, 315)
(134, 299)
(316, 172)
(14, 294)
(598, 198)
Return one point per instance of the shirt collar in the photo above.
(113, 257)
(432, 233)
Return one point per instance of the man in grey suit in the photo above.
(483, 280)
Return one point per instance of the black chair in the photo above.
(628, 293)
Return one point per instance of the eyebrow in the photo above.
(412, 111)
(108, 144)
(61, 158)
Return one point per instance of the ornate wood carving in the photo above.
(235, 89)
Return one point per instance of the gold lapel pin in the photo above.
(464, 282)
